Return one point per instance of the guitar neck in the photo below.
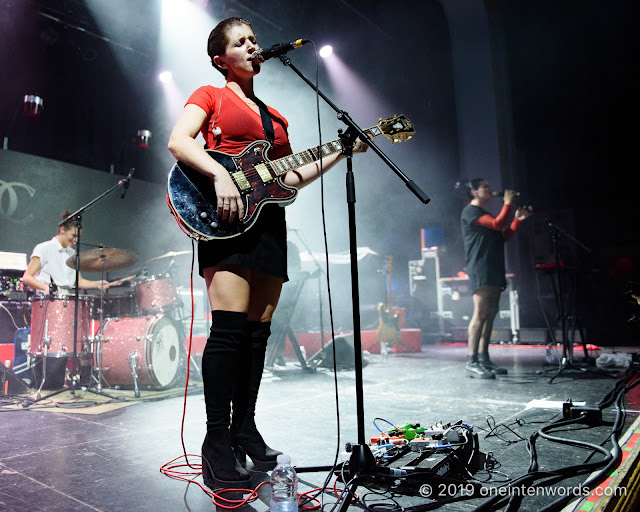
(292, 162)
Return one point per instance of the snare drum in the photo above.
(52, 320)
(156, 294)
(150, 344)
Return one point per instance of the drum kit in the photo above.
(125, 340)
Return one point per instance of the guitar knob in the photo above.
(203, 215)
(214, 225)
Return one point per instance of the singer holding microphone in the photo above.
(484, 236)
(244, 274)
(48, 263)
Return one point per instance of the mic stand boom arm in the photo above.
(361, 458)
(353, 128)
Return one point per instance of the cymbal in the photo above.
(169, 254)
(106, 259)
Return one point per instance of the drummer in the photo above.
(48, 265)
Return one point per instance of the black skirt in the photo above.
(263, 247)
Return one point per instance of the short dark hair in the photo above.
(474, 184)
(218, 38)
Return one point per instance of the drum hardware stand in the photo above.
(77, 215)
(361, 461)
(98, 338)
(566, 319)
(133, 361)
(46, 341)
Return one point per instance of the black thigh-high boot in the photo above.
(220, 364)
(244, 433)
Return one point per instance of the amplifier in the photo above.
(11, 283)
(14, 314)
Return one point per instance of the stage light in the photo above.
(143, 139)
(165, 77)
(32, 106)
(325, 51)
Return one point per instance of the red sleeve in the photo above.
(509, 232)
(205, 97)
(496, 223)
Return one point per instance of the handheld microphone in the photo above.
(277, 49)
(500, 193)
(125, 183)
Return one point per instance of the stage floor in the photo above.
(78, 457)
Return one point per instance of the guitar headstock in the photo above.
(397, 128)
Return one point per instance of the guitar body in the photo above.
(388, 327)
(193, 199)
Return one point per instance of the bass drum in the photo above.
(150, 344)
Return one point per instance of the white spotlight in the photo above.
(325, 51)
(165, 76)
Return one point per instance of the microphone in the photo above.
(125, 183)
(277, 49)
(500, 193)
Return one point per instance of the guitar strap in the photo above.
(267, 122)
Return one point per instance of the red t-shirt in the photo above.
(239, 123)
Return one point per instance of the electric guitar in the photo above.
(192, 199)
(388, 328)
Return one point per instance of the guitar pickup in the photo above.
(241, 180)
(264, 173)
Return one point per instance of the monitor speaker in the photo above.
(345, 359)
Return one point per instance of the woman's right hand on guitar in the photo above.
(230, 203)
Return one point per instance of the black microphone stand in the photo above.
(77, 215)
(567, 362)
(362, 465)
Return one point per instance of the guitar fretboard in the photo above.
(291, 162)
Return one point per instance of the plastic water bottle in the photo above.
(284, 486)
(549, 357)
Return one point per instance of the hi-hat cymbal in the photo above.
(169, 254)
(107, 259)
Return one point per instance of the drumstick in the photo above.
(120, 281)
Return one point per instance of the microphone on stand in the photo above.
(277, 49)
(125, 183)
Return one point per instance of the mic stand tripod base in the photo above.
(570, 365)
(362, 466)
